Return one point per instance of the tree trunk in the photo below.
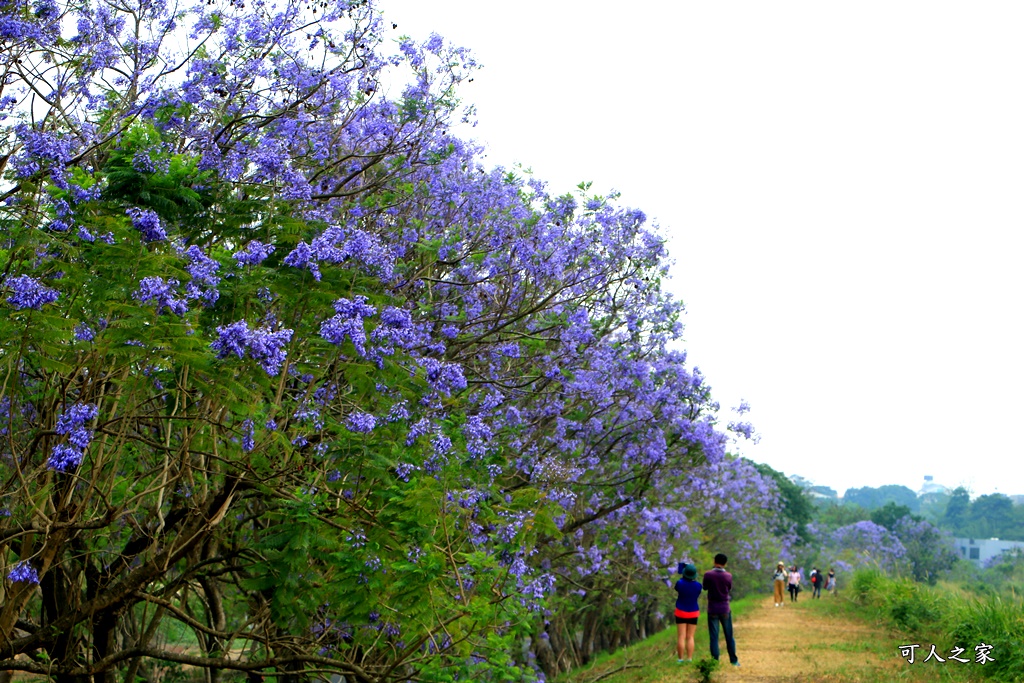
(217, 620)
(546, 659)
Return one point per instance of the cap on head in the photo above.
(781, 564)
(689, 572)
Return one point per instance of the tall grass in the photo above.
(947, 617)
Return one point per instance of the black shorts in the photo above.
(686, 620)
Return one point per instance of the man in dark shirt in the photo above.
(718, 584)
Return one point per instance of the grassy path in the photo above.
(803, 642)
(810, 641)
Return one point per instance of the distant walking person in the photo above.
(794, 583)
(817, 581)
(687, 611)
(718, 584)
(779, 583)
(830, 585)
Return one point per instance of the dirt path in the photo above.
(796, 644)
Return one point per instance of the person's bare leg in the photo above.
(681, 641)
(691, 629)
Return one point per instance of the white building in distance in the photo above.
(981, 550)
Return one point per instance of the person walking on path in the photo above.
(779, 583)
(830, 585)
(817, 580)
(794, 583)
(687, 611)
(718, 584)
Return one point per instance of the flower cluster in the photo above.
(28, 292)
(203, 270)
(23, 572)
(67, 456)
(161, 293)
(348, 322)
(254, 253)
(148, 223)
(262, 344)
(361, 422)
(865, 543)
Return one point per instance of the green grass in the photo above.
(890, 609)
(654, 659)
(948, 616)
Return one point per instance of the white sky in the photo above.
(842, 185)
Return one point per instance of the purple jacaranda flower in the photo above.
(442, 444)
(248, 432)
(418, 429)
(302, 257)
(348, 323)
(443, 376)
(76, 416)
(23, 572)
(64, 457)
(143, 162)
(477, 435)
(43, 150)
(161, 292)
(399, 411)
(232, 339)
(262, 344)
(29, 292)
(203, 270)
(84, 333)
(147, 223)
(360, 422)
(253, 254)
(266, 346)
(354, 308)
(67, 456)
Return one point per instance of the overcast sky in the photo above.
(841, 185)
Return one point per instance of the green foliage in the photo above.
(870, 498)
(993, 516)
(957, 509)
(889, 514)
(988, 516)
(933, 506)
(834, 515)
(797, 507)
(949, 617)
(995, 621)
(909, 606)
(866, 583)
(170, 190)
(705, 667)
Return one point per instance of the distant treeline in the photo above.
(989, 516)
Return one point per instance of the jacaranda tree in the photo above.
(290, 384)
